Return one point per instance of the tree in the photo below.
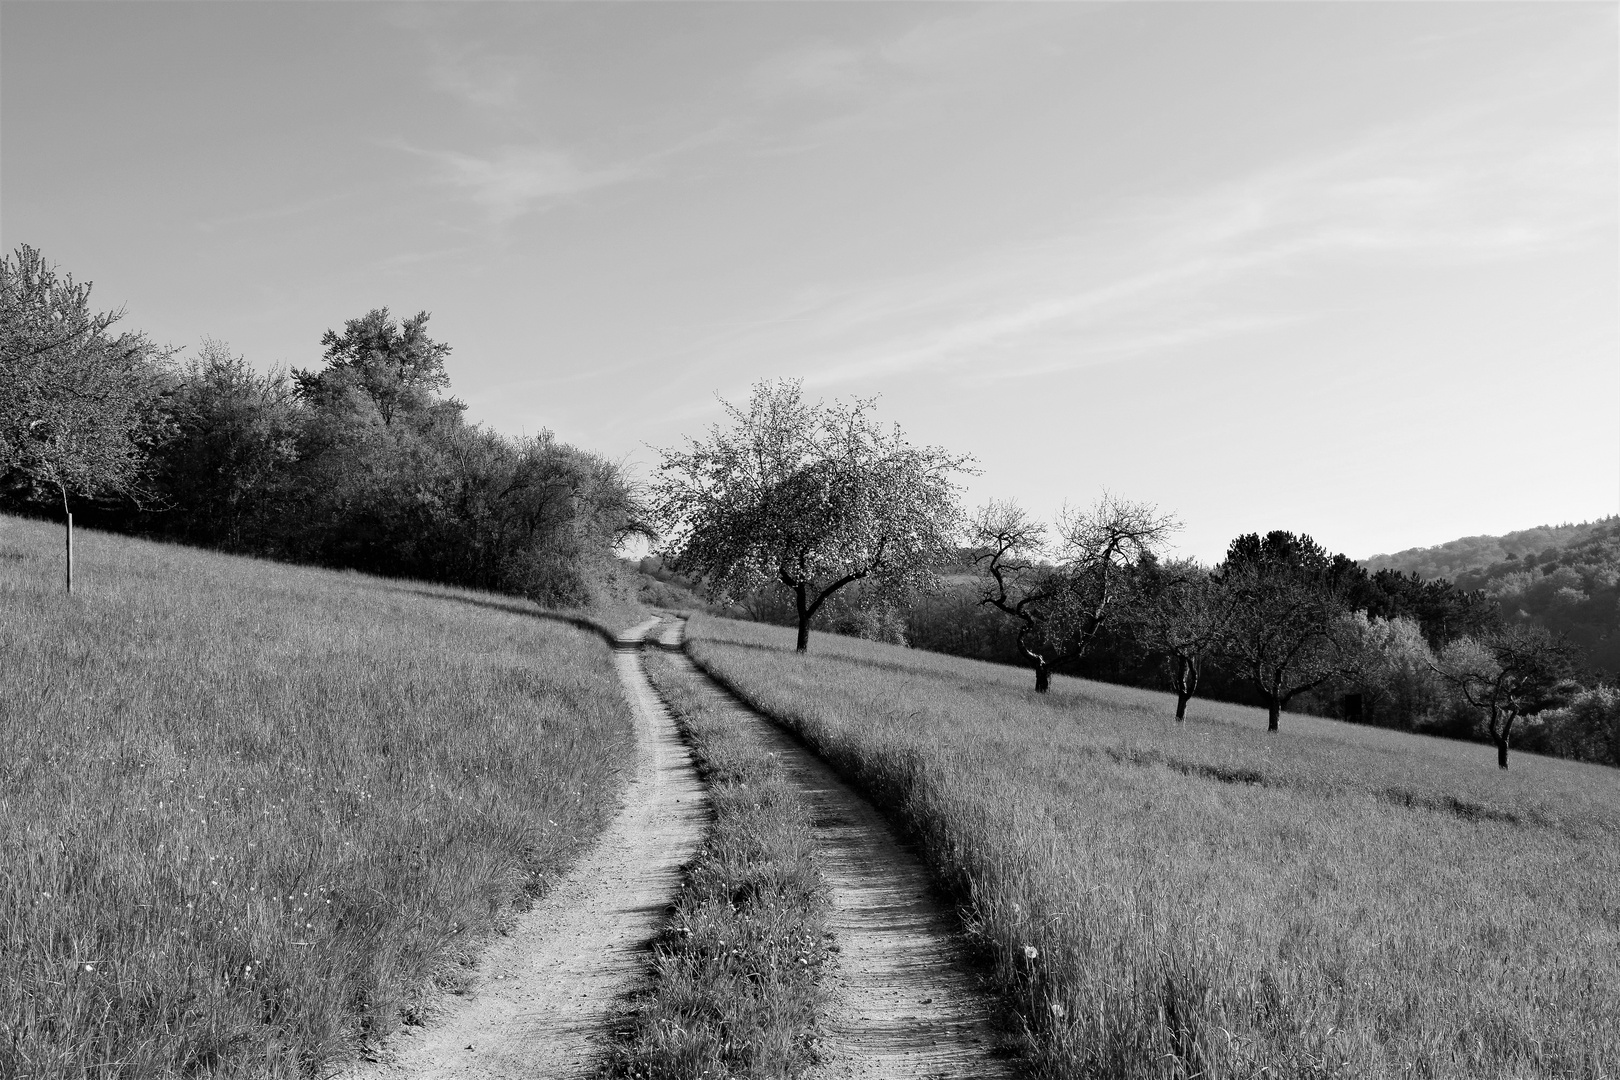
(1023, 584)
(1283, 596)
(813, 497)
(1390, 664)
(1508, 673)
(1174, 611)
(1062, 603)
(395, 367)
(1587, 728)
(223, 474)
(76, 402)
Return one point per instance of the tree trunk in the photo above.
(805, 615)
(67, 517)
(1043, 676)
(1502, 741)
(1184, 680)
(1273, 711)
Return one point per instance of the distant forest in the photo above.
(1563, 577)
(1481, 552)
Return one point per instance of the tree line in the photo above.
(793, 511)
(796, 510)
(363, 462)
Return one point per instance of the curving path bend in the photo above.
(547, 991)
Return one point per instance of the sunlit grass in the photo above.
(1206, 900)
(250, 814)
(736, 990)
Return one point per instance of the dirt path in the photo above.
(546, 992)
(903, 1005)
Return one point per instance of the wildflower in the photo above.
(1031, 952)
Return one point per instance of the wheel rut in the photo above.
(903, 1003)
(547, 992)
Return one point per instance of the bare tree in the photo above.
(1100, 547)
(1175, 612)
(1507, 673)
(1011, 547)
(1062, 596)
(813, 497)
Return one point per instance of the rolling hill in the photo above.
(1563, 577)
(1479, 552)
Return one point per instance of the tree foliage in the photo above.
(223, 472)
(1284, 596)
(1174, 612)
(1587, 728)
(1390, 665)
(1506, 674)
(392, 367)
(76, 400)
(811, 496)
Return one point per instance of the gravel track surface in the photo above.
(903, 1003)
(547, 992)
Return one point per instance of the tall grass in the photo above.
(250, 815)
(1205, 900)
(737, 967)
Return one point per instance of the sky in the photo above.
(1347, 269)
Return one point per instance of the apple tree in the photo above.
(812, 497)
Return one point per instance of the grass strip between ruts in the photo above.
(736, 988)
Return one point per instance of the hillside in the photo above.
(254, 813)
(1479, 552)
(1563, 577)
(1162, 899)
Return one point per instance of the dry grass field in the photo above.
(251, 814)
(1204, 900)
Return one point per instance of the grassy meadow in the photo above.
(736, 990)
(252, 814)
(1204, 900)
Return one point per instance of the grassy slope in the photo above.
(1206, 900)
(737, 967)
(250, 812)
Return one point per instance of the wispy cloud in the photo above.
(513, 180)
(1415, 189)
(820, 70)
(461, 63)
(1164, 275)
(278, 212)
(479, 80)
